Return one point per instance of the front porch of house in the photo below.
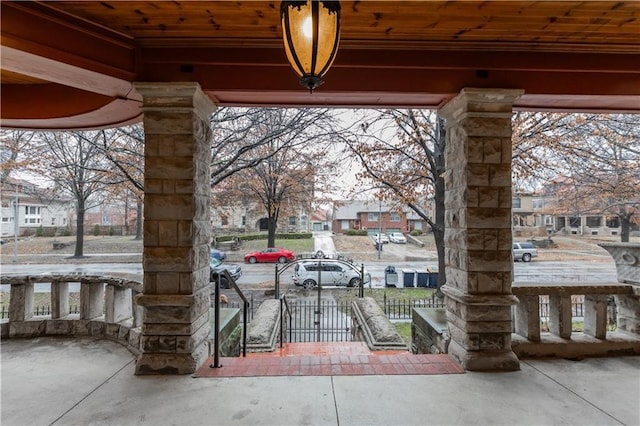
(105, 391)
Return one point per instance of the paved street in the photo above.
(536, 271)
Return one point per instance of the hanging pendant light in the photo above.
(311, 32)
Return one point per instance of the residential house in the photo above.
(248, 216)
(26, 207)
(320, 221)
(556, 217)
(375, 216)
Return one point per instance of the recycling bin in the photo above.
(423, 278)
(433, 276)
(408, 277)
(390, 276)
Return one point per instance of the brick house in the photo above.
(373, 216)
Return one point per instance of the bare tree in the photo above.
(72, 161)
(14, 146)
(124, 150)
(403, 151)
(276, 157)
(590, 163)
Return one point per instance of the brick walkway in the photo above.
(330, 359)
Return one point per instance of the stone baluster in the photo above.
(59, 299)
(527, 317)
(118, 304)
(137, 310)
(595, 315)
(560, 316)
(21, 306)
(91, 299)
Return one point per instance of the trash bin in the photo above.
(378, 246)
(390, 276)
(408, 276)
(423, 278)
(433, 276)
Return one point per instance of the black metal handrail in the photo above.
(284, 306)
(216, 313)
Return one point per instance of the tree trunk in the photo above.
(438, 230)
(139, 205)
(125, 222)
(625, 228)
(79, 230)
(272, 225)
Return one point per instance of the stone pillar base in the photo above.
(484, 361)
(480, 329)
(167, 364)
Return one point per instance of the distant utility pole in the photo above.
(379, 228)
(16, 227)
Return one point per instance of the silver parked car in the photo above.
(524, 251)
(332, 272)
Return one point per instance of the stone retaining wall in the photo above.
(371, 325)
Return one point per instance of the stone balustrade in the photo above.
(561, 340)
(107, 308)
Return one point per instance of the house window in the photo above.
(344, 225)
(417, 225)
(244, 220)
(292, 220)
(372, 217)
(5, 219)
(53, 221)
(593, 221)
(548, 220)
(224, 220)
(516, 203)
(395, 217)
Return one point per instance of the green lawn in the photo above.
(379, 294)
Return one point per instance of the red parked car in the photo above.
(271, 254)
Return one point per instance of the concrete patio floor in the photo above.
(61, 381)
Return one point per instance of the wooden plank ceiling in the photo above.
(566, 55)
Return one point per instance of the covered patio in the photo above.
(78, 65)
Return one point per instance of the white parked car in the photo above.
(382, 238)
(332, 272)
(397, 237)
(524, 251)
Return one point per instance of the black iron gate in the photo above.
(324, 320)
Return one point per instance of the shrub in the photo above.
(358, 232)
(416, 232)
(40, 231)
(263, 236)
(96, 230)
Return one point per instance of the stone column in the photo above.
(478, 241)
(177, 231)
